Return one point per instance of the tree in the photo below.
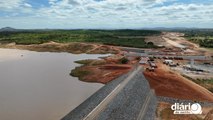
(150, 43)
(124, 60)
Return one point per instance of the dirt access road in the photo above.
(177, 40)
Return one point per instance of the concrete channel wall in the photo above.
(135, 101)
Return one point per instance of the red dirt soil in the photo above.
(106, 73)
(170, 84)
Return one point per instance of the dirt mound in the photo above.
(102, 74)
(170, 84)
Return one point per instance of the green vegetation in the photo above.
(127, 38)
(84, 62)
(124, 60)
(138, 58)
(91, 62)
(206, 83)
(202, 37)
(150, 43)
(80, 73)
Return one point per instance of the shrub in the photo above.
(138, 58)
(124, 60)
(150, 43)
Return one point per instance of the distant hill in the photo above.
(7, 29)
(170, 28)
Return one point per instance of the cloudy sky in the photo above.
(108, 14)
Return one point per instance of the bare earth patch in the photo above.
(75, 47)
(169, 84)
(164, 112)
(102, 71)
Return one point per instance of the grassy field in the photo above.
(91, 62)
(110, 37)
(80, 73)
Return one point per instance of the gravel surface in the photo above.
(128, 104)
(88, 105)
(150, 112)
(125, 106)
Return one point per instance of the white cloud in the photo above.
(116, 13)
(27, 5)
(13, 5)
(10, 4)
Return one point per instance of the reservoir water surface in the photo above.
(37, 85)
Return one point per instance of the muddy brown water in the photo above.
(37, 85)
